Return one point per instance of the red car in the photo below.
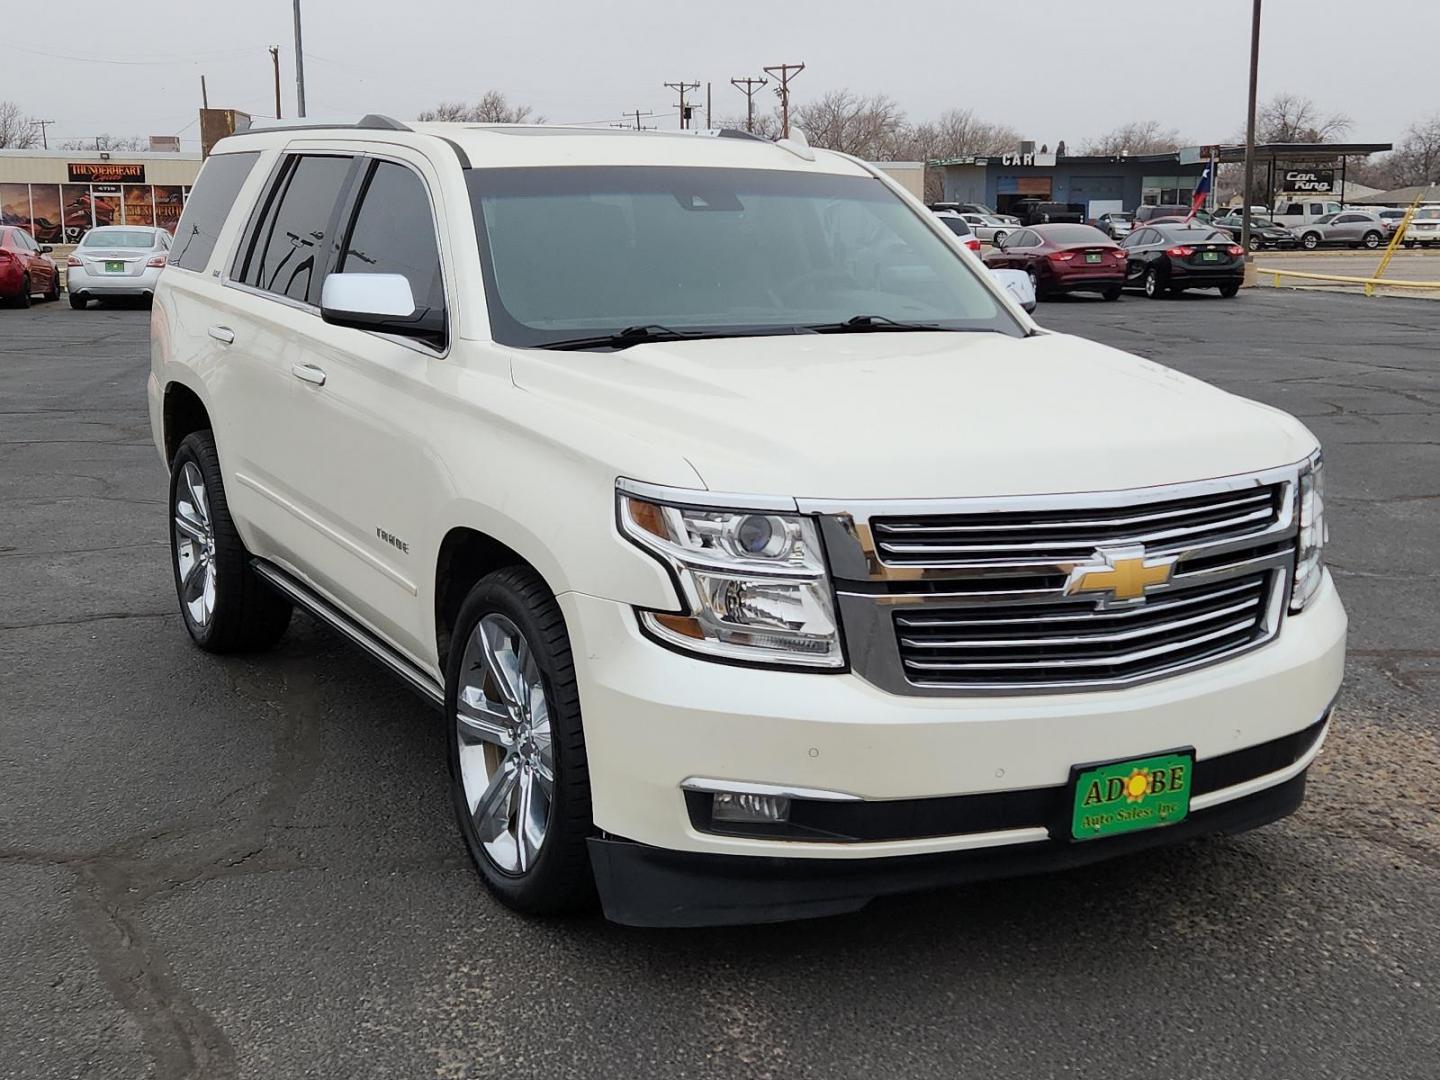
(25, 268)
(1063, 258)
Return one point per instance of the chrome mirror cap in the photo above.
(384, 295)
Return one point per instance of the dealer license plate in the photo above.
(1126, 796)
(1209, 256)
(1092, 256)
(114, 266)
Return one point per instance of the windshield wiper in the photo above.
(634, 335)
(868, 324)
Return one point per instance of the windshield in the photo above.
(118, 238)
(569, 252)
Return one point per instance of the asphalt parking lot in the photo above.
(227, 868)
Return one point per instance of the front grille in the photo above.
(1046, 537)
(1054, 645)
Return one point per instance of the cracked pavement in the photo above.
(246, 867)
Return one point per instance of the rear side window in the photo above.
(288, 251)
(394, 233)
(214, 194)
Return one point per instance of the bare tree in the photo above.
(1293, 118)
(17, 131)
(1417, 159)
(1136, 137)
(868, 127)
(107, 142)
(960, 133)
(492, 108)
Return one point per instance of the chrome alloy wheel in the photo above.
(507, 763)
(194, 546)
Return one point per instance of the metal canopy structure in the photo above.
(1275, 155)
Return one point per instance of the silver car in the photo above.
(1353, 228)
(988, 227)
(116, 260)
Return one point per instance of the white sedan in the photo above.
(116, 260)
(990, 229)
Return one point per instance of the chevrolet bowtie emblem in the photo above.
(1119, 573)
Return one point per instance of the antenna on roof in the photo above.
(797, 144)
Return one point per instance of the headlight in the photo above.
(754, 583)
(1310, 556)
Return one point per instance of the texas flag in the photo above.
(1202, 192)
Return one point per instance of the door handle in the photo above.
(308, 373)
(222, 334)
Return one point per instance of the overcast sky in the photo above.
(133, 68)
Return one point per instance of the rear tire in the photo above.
(1153, 289)
(515, 740)
(226, 607)
(1227, 291)
(1112, 293)
(78, 302)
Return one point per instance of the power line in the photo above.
(683, 88)
(784, 73)
(749, 87)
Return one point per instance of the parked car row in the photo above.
(109, 262)
(1160, 260)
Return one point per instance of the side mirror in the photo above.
(45, 249)
(378, 302)
(1017, 284)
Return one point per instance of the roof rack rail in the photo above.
(368, 122)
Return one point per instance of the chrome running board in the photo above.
(320, 608)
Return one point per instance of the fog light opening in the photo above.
(744, 808)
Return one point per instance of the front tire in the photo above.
(518, 774)
(23, 300)
(226, 607)
(1371, 240)
(1310, 241)
(997, 239)
(53, 293)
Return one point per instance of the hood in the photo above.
(915, 415)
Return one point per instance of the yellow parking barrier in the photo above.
(1370, 283)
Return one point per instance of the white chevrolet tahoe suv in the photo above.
(762, 553)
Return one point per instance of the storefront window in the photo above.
(63, 213)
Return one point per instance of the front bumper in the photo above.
(80, 282)
(647, 886)
(655, 718)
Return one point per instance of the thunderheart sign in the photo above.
(104, 172)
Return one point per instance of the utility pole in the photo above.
(42, 125)
(1250, 140)
(682, 88)
(204, 94)
(275, 61)
(708, 124)
(783, 73)
(637, 114)
(749, 87)
(299, 65)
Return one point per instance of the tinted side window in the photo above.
(210, 202)
(289, 245)
(394, 233)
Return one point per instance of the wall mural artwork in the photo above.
(63, 213)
